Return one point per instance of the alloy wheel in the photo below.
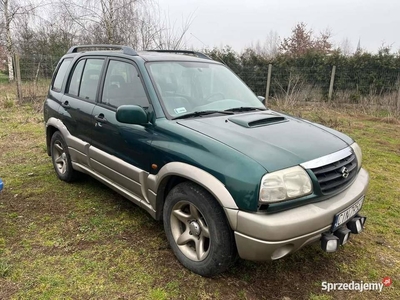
(190, 231)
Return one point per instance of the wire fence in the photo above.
(287, 83)
(340, 85)
(37, 67)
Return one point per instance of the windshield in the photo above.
(187, 87)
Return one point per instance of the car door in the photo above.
(121, 151)
(56, 94)
(78, 103)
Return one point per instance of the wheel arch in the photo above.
(174, 173)
(53, 125)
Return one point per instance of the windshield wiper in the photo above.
(203, 113)
(244, 108)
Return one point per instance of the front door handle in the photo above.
(100, 118)
(65, 104)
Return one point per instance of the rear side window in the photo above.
(90, 79)
(76, 79)
(62, 70)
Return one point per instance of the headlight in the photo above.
(285, 184)
(358, 153)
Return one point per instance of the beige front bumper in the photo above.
(268, 237)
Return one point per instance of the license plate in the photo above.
(347, 214)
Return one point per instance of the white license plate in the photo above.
(347, 214)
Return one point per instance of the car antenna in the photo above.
(206, 46)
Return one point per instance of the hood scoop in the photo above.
(257, 120)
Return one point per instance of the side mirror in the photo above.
(261, 98)
(131, 114)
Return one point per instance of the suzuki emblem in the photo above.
(345, 172)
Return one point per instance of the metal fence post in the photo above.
(288, 88)
(331, 83)
(268, 84)
(18, 78)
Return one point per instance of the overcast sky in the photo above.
(238, 23)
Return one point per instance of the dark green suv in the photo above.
(184, 138)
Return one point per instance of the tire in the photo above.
(61, 158)
(198, 231)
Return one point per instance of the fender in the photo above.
(197, 175)
(71, 141)
(57, 123)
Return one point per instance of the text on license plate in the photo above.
(349, 212)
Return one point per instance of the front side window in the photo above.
(90, 79)
(62, 70)
(187, 87)
(123, 86)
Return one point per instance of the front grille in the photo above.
(331, 178)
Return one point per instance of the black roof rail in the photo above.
(125, 49)
(195, 53)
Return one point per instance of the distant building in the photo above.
(359, 49)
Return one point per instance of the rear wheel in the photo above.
(61, 158)
(197, 230)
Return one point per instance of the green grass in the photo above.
(3, 77)
(82, 240)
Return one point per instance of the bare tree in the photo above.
(12, 11)
(171, 37)
(95, 15)
(146, 29)
(7, 15)
(104, 21)
(272, 44)
(270, 47)
(346, 48)
(138, 23)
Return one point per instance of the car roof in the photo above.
(146, 55)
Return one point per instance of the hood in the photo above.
(276, 141)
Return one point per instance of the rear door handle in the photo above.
(100, 118)
(65, 104)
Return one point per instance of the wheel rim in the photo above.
(190, 231)
(60, 157)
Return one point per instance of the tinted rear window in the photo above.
(62, 70)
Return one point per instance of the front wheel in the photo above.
(197, 230)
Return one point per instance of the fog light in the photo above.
(343, 234)
(329, 242)
(355, 225)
